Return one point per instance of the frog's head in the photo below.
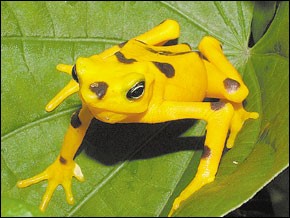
(113, 91)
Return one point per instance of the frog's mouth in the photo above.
(108, 116)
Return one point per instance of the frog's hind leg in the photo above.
(224, 86)
(224, 82)
(166, 33)
(218, 116)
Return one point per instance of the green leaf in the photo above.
(263, 14)
(270, 155)
(142, 173)
(11, 208)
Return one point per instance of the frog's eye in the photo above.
(74, 73)
(136, 91)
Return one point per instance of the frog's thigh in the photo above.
(211, 48)
(219, 85)
(224, 79)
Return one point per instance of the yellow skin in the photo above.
(145, 81)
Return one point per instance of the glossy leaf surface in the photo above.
(136, 170)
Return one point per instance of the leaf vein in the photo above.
(196, 23)
(227, 22)
(64, 39)
(49, 14)
(188, 18)
(17, 22)
(36, 122)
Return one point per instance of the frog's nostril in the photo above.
(99, 88)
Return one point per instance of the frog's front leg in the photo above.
(61, 171)
(218, 116)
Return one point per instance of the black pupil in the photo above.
(74, 74)
(136, 91)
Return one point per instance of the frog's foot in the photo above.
(177, 203)
(58, 173)
(239, 117)
(175, 206)
(193, 186)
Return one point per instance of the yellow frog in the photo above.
(151, 79)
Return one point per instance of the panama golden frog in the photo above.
(151, 79)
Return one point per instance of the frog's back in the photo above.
(177, 69)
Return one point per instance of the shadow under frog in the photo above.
(110, 144)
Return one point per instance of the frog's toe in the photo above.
(68, 192)
(78, 173)
(35, 179)
(240, 116)
(231, 139)
(48, 194)
(252, 115)
(175, 206)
